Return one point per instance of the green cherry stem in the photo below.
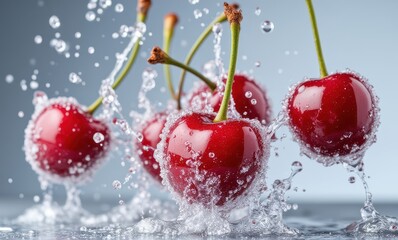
(234, 17)
(317, 40)
(170, 21)
(220, 19)
(159, 56)
(142, 8)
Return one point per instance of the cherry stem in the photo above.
(194, 49)
(159, 56)
(141, 17)
(170, 22)
(317, 40)
(234, 17)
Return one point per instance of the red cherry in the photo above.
(333, 116)
(250, 99)
(212, 163)
(151, 131)
(59, 141)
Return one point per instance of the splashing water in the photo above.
(372, 221)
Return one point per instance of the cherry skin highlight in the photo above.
(212, 163)
(63, 136)
(151, 131)
(250, 99)
(332, 116)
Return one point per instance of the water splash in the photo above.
(372, 221)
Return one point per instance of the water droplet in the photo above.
(117, 184)
(257, 64)
(193, 1)
(59, 45)
(98, 137)
(34, 85)
(39, 98)
(83, 229)
(297, 166)
(119, 8)
(74, 78)
(9, 78)
(197, 13)
(124, 31)
(78, 35)
(92, 5)
(91, 50)
(148, 79)
(121, 202)
(301, 89)
(248, 94)
(105, 3)
(351, 179)
(36, 199)
(38, 39)
(23, 84)
(257, 11)
(54, 22)
(295, 206)
(115, 35)
(90, 16)
(253, 101)
(21, 114)
(267, 26)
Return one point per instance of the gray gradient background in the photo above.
(358, 34)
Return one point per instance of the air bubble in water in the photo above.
(21, 114)
(90, 16)
(253, 101)
(197, 13)
(267, 26)
(9, 78)
(38, 39)
(10, 180)
(78, 35)
(34, 85)
(117, 184)
(98, 137)
(74, 78)
(257, 64)
(119, 8)
(91, 50)
(54, 22)
(257, 11)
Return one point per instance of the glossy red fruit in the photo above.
(151, 131)
(212, 163)
(333, 116)
(59, 141)
(250, 99)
